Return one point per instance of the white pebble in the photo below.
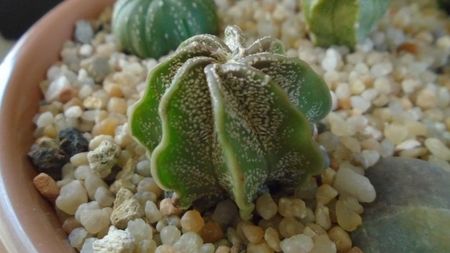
(86, 208)
(140, 230)
(359, 103)
(77, 236)
(370, 94)
(104, 197)
(332, 60)
(61, 84)
(73, 112)
(71, 196)
(343, 91)
(407, 145)
(369, 158)
(116, 241)
(86, 50)
(297, 244)
(339, 127)
(207, 248)
(350, 182)
(381, 69)
(189, 242)
(87, 245)
(95, 221)
(91, 183)
(143, 168)
(169, 235)
(44, 119)
(152, 212)
(85, 91)
(383, 85)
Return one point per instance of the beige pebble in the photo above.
(50, 131)
(292, 207)
(106, 127)
(323, 244)
(117, 105)
(167, 207)
(341, 238)
(327, 176)
(103, 158)
(129, 209)
(46, 186)
(272, 239)
(289, 227)
(254, 234)
(355, 250)
(426, 99)
(348, 219)
(223, 249)
(79, 159)
(192, 220)
(351, 143)
(395, 133)
(70, 224)
(315, 229)
(325, 193)
(350, 182)
(323, 217)
(266, 206)
(259, 248)
(437, 148)
(92, 102)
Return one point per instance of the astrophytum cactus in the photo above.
(151, 28)
(222, 118)
(342, 22)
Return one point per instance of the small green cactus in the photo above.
(223, 118)
(151, 28)
(342, 22)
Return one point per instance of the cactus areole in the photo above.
(229, 118)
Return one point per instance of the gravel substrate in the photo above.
(390, 98)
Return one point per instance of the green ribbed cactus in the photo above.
(342, 22)
(151, 28)
(225, 118)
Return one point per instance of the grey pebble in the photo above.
(47, 157)
(83, 31)
(72, 141)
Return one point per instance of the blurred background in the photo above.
(16, 16)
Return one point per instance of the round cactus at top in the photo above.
(342, 22)
(151, 28)
(229, 118)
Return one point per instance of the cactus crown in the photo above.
(222, 117)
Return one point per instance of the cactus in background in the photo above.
(342, 22)
(151, 28)
(223, 117)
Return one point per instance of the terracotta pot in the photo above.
(28, 223)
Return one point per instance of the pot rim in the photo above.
(31, 227)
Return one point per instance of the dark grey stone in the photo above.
(412, 211)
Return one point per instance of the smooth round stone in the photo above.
(412, 210)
